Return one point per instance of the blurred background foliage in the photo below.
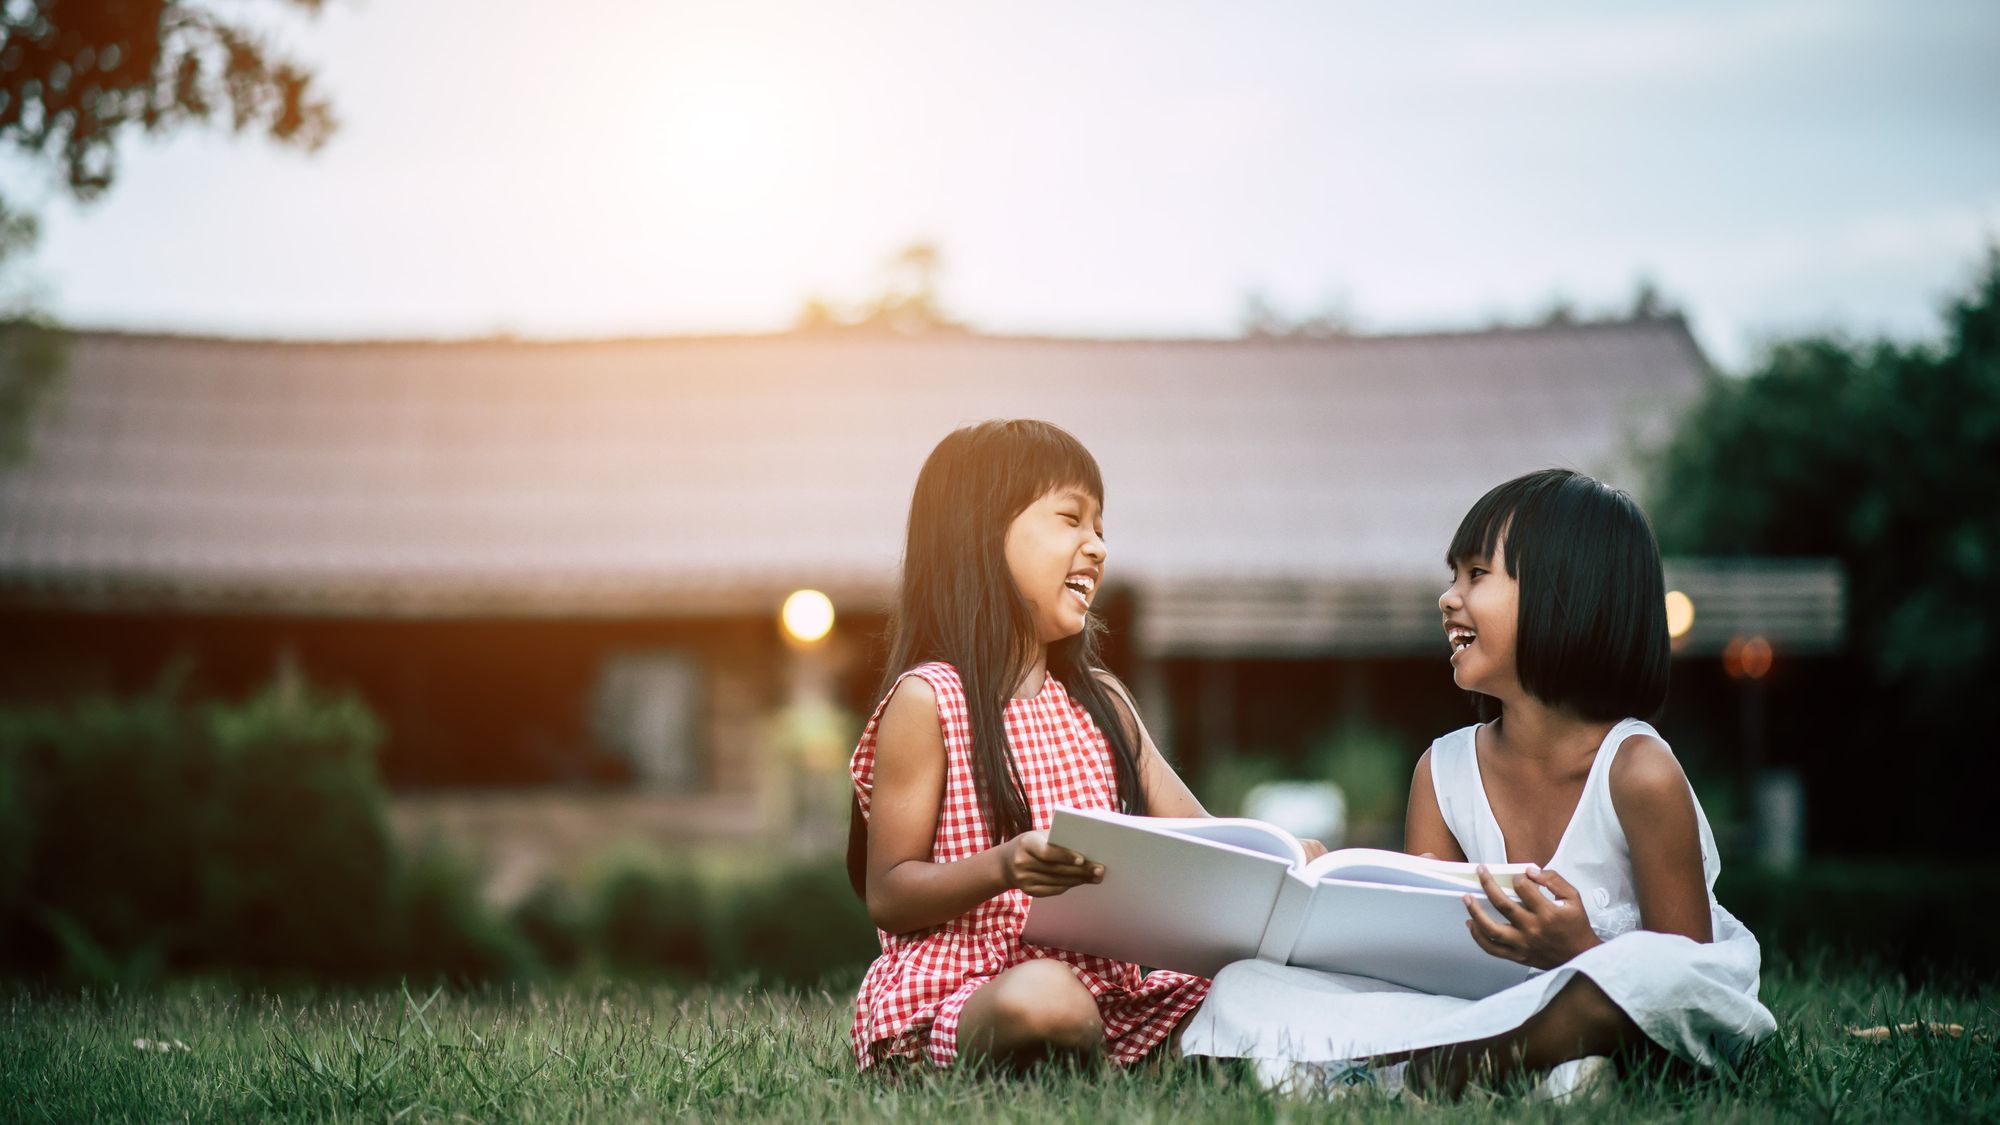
(77, 80)
(156, 835)
(1886, 457)
(33, 348)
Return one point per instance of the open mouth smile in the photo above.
(1460, 638)
(1081, 586)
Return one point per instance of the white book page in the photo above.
(1412, 936)
(1399, 869)
(1168, 900)
(1237, 832)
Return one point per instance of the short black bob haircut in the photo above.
(1592, 634)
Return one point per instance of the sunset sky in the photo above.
(630, 167)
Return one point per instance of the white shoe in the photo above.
(1337, 1079)
(1578, 1080)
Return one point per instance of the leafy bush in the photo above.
(654, 915)
(152, 835)
(112, 856)
(1224, 786)
(688, 916)
(553, 919)
(1923, 920)
(298, 868)
(1885, 456)
(447, 931)
(145, 835)
(1372, 767)
(798, 925)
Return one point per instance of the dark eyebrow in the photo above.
(1080, 496)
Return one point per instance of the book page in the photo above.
(1168, 900)
(1412, 936)
(1374, 865)
(1238, 832)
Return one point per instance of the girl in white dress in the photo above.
(1556, 623)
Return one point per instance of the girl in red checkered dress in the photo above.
(994, 712)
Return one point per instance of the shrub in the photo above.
(1372, 768)
(797, 925)
(151, 834)
(1223, 786)
(553, 920)
(654, 915)
(113, 834)
(298, 865)
(447, 931)
(1923, 920)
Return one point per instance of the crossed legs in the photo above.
(1581, 1020)
(1035, 1011)
(1038, 1010)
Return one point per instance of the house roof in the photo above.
(708, 475)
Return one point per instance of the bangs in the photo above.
(1591, 621)
(1042, 458)
(1479, 533)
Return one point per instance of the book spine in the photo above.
(1288, 918)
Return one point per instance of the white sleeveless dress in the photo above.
(1697, 1000)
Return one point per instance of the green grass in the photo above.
(616, 1051)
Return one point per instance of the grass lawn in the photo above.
(618, 1051)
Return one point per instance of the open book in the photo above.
(1195, 894)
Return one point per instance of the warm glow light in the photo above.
(807, 616)
(1756, 657)
(1680, 614)
(1746, 658)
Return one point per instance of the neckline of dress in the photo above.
(1048, 679)
(1575, 814)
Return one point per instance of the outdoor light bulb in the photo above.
(1756, 658)
(1680, 614)
(807, 616)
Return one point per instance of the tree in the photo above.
(1560, 313)
(32, 348)
(1649, 303)
(907, 303)
(1261, 319)
(1886, 457)
(77, 77)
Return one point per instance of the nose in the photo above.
(1449, 600)
(1093, 549)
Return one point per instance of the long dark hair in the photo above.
(958, 604)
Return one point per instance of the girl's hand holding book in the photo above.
(1542, 930)
(1040, 868)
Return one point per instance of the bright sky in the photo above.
(640, 167)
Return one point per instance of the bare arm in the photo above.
(1424, 829)
(905, 889)
(1656, 808)
(1166, 793)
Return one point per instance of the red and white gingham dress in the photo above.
(912, 996)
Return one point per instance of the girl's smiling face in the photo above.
(1055, 551)
(1481, 608)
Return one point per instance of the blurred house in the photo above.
(563, 562)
